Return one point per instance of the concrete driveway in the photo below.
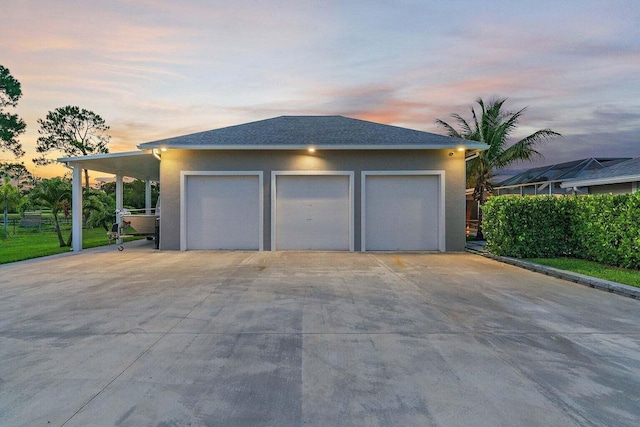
(148, 338)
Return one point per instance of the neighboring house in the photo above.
(621, 178)
(551, 179)
(548, 179)
(303, 183)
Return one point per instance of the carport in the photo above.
(137, 164)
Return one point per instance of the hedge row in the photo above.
(603, 228)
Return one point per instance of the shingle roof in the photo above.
(626, 171)
(293, 132)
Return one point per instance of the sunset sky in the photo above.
(154, 69)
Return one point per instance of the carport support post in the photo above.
(76, 209)
(147, 197)
(119, 191)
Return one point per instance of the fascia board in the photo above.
(100, 156)
(600, 181)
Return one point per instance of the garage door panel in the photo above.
(312, 212)
(402, 212)
(223, 212)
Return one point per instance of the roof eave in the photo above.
(600, 181)
(101, 156)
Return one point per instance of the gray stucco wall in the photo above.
(175, 161)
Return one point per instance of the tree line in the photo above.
(54, 194)
(66, 131)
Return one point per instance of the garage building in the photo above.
(312, 183)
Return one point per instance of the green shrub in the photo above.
(603, 228)
(529, 227)
(607, 229)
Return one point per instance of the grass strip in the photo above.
(31, 243)
(593, 269)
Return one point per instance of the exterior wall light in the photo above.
(311, 150)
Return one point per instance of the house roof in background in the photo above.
(626, 171)
(561, 171)
(302, 132)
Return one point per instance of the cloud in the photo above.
(137, 72)
(126, 135)
(156, 69)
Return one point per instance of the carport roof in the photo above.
(302, 132)
(135, 164)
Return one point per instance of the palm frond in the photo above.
(450, 129)
(524, 149)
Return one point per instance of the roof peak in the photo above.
(329, 131)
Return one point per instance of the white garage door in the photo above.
(312, 212)
(223, 212)
(402, 212)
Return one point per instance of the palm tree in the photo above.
(494, 126)
(55, 194)
(9, 196)
(98, 209)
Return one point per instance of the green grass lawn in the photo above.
(593, 269)
(29, 243)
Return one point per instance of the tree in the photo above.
(55, 194)
(19, 175)
(9, 197)
(133, 193)
(11, 126)
(99, 209)
(71, 131)
(494, 126)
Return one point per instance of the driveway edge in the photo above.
(592, 282)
